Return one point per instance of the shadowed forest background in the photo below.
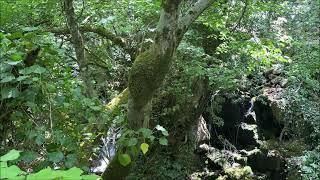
(160, 89)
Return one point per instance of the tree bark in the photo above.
(78, 44)
(151, 66)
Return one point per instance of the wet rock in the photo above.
(270, 162)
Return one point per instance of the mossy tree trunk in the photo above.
(151, 66)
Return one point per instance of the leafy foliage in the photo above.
(14, 172)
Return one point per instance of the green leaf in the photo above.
(90, 177)
(13, 63)
(44, 174)
(16, 57)
(55, 156)
(15, 35)
(165, 133)
(3, 164)
(163, 141)
(11, 172)
(132, 142)
(21, 78)
(144, 147)
(72, 173)
(160, 128)
(71, 160)
(28, 156)
(146, 132)
(8, 92)
(124, 159)
(33, 69)
(7, 79)
(11, 155)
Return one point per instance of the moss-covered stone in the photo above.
(239, 172)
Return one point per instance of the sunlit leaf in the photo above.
(144, 147)
(124, 159)
(11, 155)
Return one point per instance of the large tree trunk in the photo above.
(151, 67)
(78, 44)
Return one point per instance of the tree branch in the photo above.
(98, 30)
(78, 44)
(242, 15)
(193, 13)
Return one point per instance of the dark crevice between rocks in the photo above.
(238, 144)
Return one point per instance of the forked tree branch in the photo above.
(193, 13)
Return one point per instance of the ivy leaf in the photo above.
(11, 155)
(163, 141)
(55, 156)
(132, 142)
(124, 159)
(144, 147)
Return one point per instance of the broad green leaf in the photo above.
(10, 172)
(90, 177)
(152, 138)
(160, 128)
(28, 156)
(33, 69)
(163, 141)
(21, 78)
(146, 132)
(71, 160)
(132, 141)
(15, 35)
(124, 159)
(16, 57)
(13, 63)
(55, 156)
(8, 92)
(7, 79)
(144, 147)
(165, 133)
(11, 155)
(3, 164)
(44, 174)
(72, 173)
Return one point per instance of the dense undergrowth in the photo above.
(45, 114)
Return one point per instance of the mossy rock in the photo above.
(239, 173)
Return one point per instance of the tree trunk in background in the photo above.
(151, 67)
(78, 44)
